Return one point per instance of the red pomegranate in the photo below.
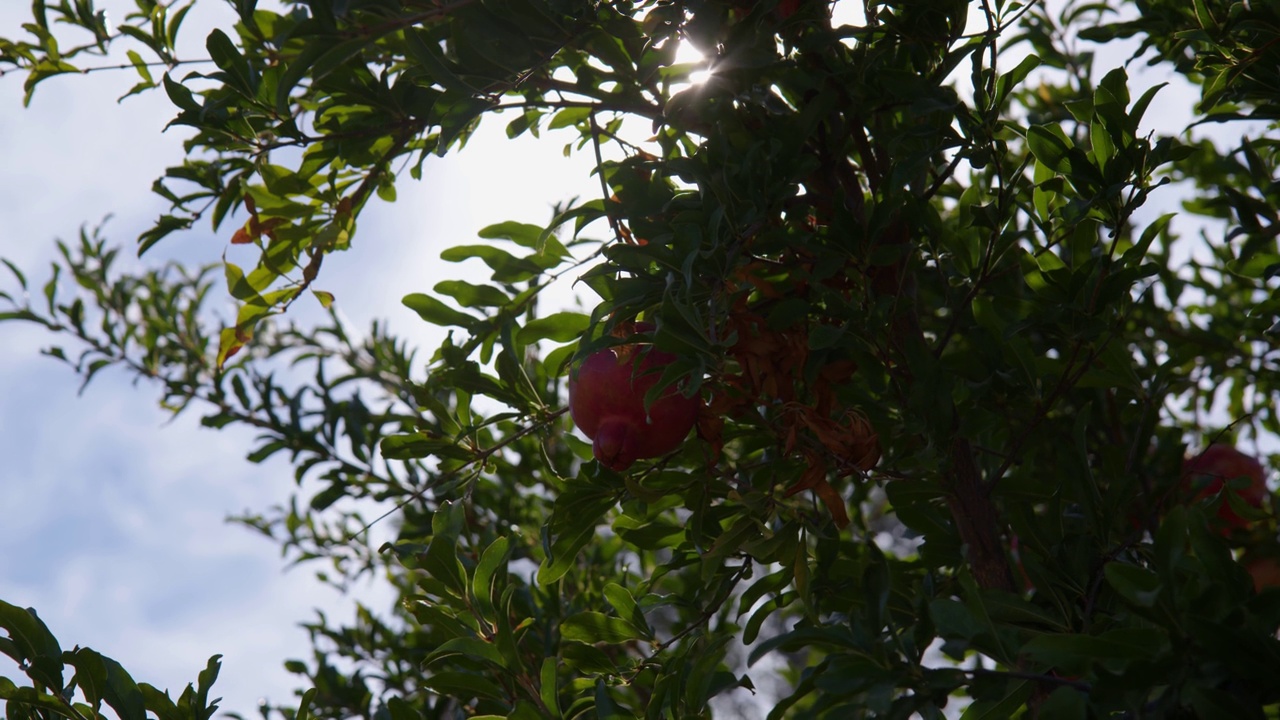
(1205, 474)
(1265, 571)
(606, 401)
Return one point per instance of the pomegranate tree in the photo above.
(606, 401)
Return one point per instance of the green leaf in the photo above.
(1204, 17)
(38, 646)
(20, 698)
(607, 708)
(471, 295)
(574, 517)
(328, 496)
(625, 605)
(1101, 141)
(427, 54)
(587, 659)
(175, 23)
(506, 267)
(1010, 80)
(399, 709)
(412, 446)
(441, 563)
(43, 70)
(1043, 192)
(770, 584)
(22, 279)
(569, 117)
(232, 339)
(1115, 649)
(802, 637)
(91, 675)
(469, 378)
(954, 620)
(1066, 703)
(1006, 707)
(304, 705)
(522, 234)
(1009, 608)
(1135, 584)
(1135, 255)
(1140, 107)
(122, 693)
(463, 685)
(436, 312)
(239, 285)
(1050, 147)
(295, 70)
(325, 298)
(281, 182)
(237, 72)
(559, 327)
(564, 551)
(471, 647)
(547, 686)
(494, 557)
(161, 705)
(1111, 99)
(147, 82)
(179, 95)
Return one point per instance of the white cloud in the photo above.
(115, 533)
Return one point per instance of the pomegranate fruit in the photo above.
(1206, 473)
(1265, 571)
(606, 401)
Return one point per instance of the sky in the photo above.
(113, 521)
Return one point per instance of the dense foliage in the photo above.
(950, 370)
